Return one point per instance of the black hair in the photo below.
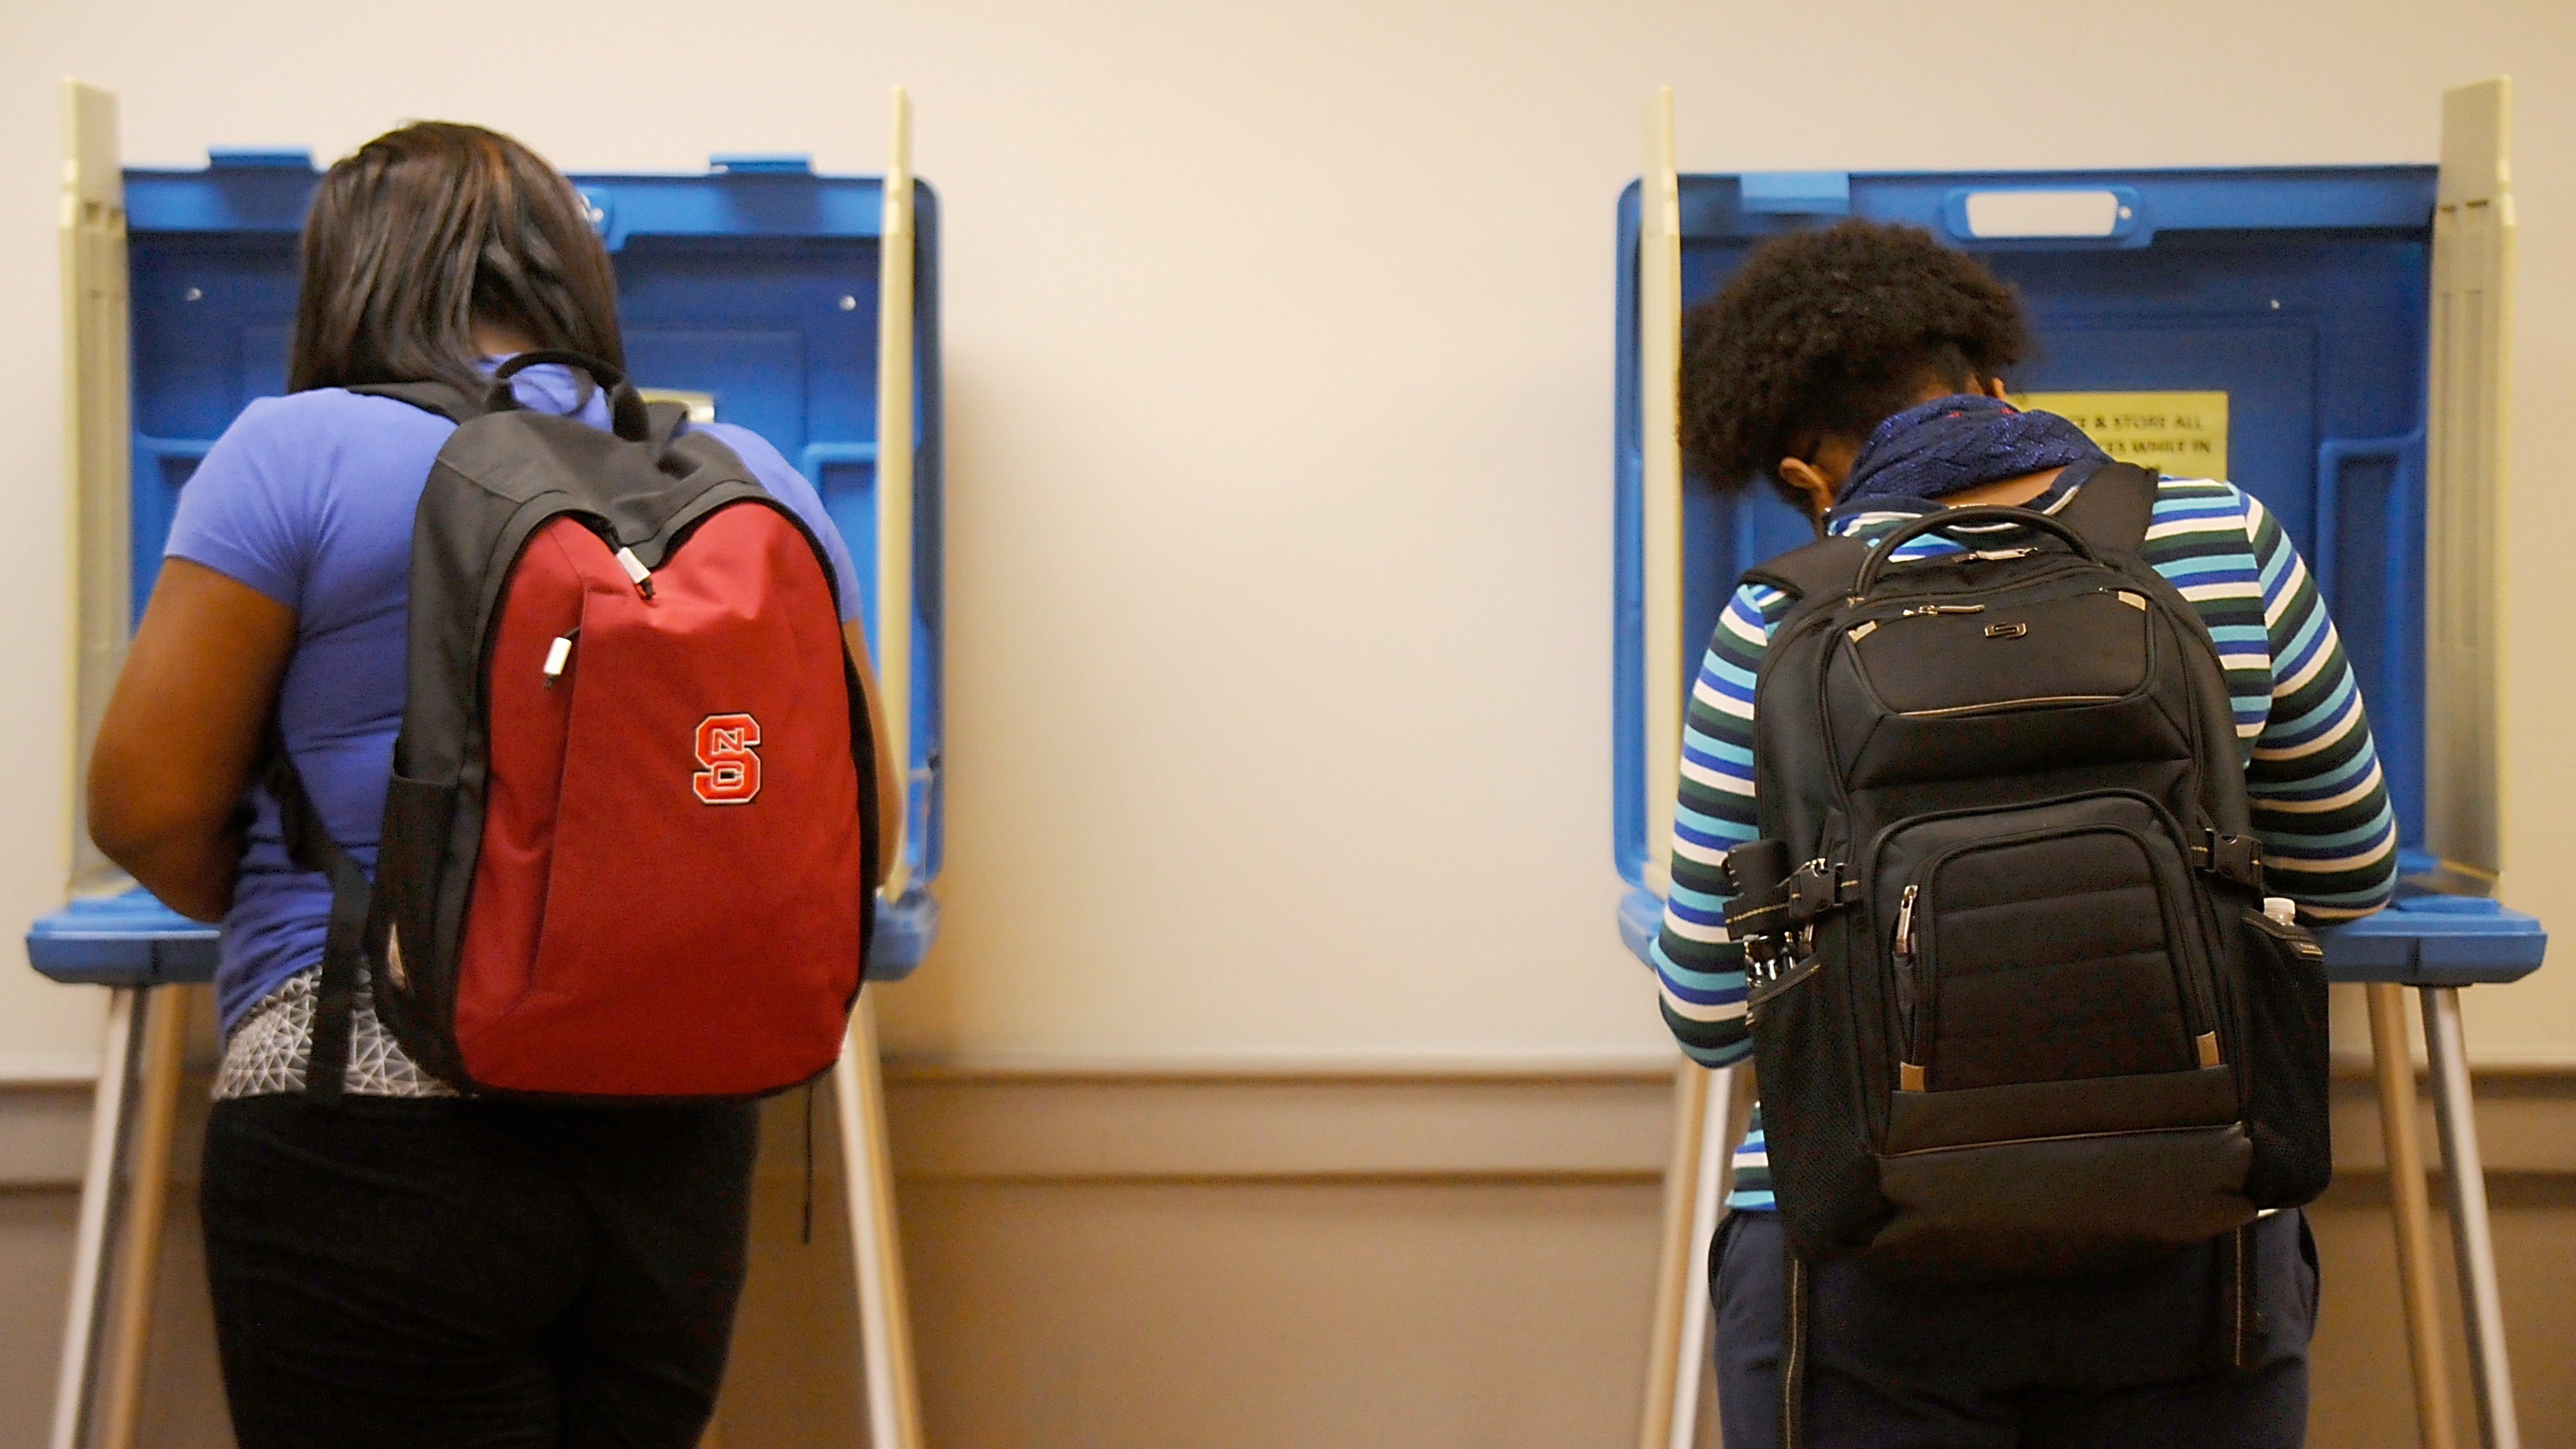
(427, 230)
(1827, 333)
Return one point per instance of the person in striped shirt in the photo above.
(1833, 364)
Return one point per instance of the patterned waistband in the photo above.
(267, 1050)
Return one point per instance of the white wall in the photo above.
(1279, 346)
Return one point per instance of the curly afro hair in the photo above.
(1826, 333)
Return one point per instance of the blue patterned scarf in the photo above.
(1958, 442)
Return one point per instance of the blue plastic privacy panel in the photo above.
(2301, 294)
(755, 283)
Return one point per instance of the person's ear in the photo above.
(1811, 484)
(1995, 389)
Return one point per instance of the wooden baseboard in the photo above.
(47, 1069)
(1568, 1120)
(1272, 1124)
(1127, 1120)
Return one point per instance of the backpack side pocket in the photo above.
(1823, 1175)
(2284, 972)
(412, 967)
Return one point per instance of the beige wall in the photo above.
(1279, 347)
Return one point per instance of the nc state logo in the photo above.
(725, 747)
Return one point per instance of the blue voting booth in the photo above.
(750, 289)
(758, 292)
(2293, 302)
(2274, 327)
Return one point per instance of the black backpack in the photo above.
(2016, 1004)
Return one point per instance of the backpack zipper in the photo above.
(1904, 949)
(2000, 705)
(635, 570)
(558, 654)
(1910, 1075)
(1863, 630)
(2199, 1012)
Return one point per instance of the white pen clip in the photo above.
(635, 570)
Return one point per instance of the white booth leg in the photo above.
(2489, 1370)
(1672, 1264)
(1708, 1203)
(154, 1111)
(101, 1186)
(867, 1177)
(2395, 1067)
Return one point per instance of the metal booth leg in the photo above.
(867, 1172)
(102, 1186)
(2489, 1372)
(1708, 1204)
(1695, 1187)
(117, 1247)
(1672, 1262)
(2395, 1069)
(147, 1211)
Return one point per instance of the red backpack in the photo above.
(630, 841)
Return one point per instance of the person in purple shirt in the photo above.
(403, 1266)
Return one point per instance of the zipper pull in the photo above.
(635, 570)
(1904, 945)
(559, 654)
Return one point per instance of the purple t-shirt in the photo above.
(309, 499)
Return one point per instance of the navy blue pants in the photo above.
(2123, 1362)
(442, 1274)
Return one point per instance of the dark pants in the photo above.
(440, 1274)
(2124, 1362)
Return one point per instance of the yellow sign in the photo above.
(2182, 433)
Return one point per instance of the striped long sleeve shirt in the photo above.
(2320, 806)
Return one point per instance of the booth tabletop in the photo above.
(2420, 940)
(134, 940)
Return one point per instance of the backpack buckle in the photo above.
(1774, 906)
(2237, 857)
(1817, 887)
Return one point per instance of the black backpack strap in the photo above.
(1820, 570)
(2248, 1331)
(631, 418)
(430, 397)
(663, 420)
(1793, 1345)
(2112, 506)
(310, 845)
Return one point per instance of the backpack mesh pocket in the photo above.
(2284, 976)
